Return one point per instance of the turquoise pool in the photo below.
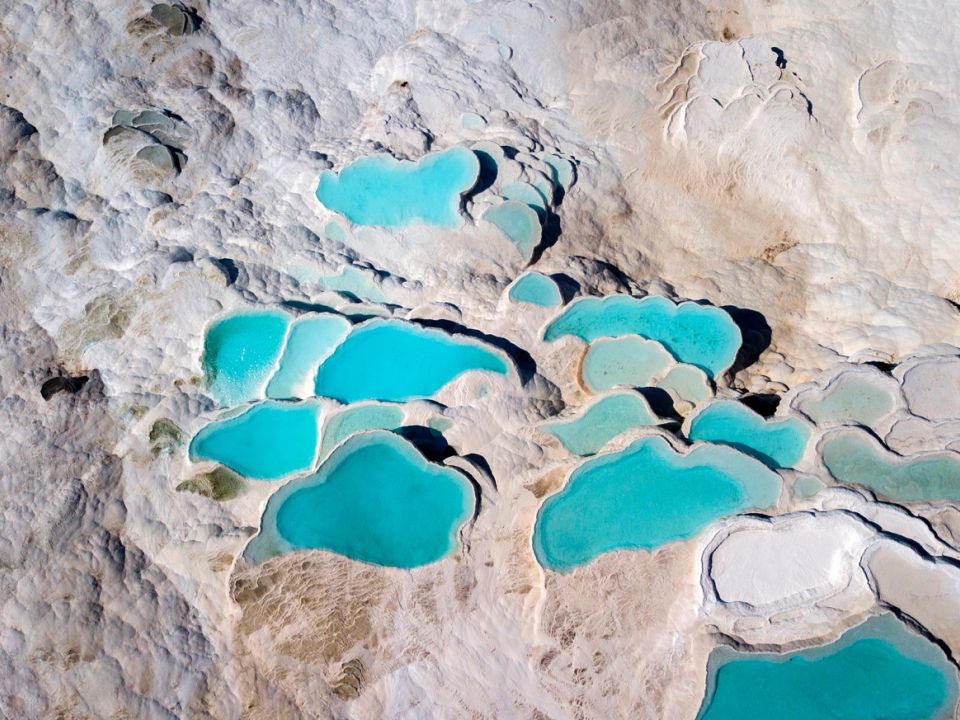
(876, 671)
(384, 192)
(269, 441)
(602, 421)
(625, 362)
(240, 352)
(779, 443)
(375, 499)
(688, 382)
(518, 223)
(536, 288)
(395, 361)
(644, 497)
(699, 335)
(311, 339)
(853, 398)
(856, 458)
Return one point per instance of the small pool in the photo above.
(240, 352)
(311, 339)
(384, 192)
(688, 383)
(536, 288)
(854, 457)
(876, 671)
(395, 361)
(852, 397)
(624, 362)
(518, 223)
(644, 497)
(269, 441)
(700, 335)
(602, 421)
(779, 443)
(375, 499)
(355, 419)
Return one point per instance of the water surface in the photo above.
(602, 421)
(700, 335)
(240, 352)
(780, 443)
(876, 671)
(395, 361)
(268, 441)
(385, 192)
(644, 497)
(375, 499)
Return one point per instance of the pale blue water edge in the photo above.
(876, 671)
(518, 223)
(644, 497)
(700, 335)
(311, 339)
(384, 192)
(375, 499)
(602, 421)
(780, 443)
(855, 457)
(629, 361)
(268, 441)
(395, 361)
(536, 289)
(851, 399)
(240, 352)
(355, 419)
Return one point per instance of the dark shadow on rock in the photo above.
(431, 443)
(764, 404)
(882, 366)
(781, 58)
(229, 267)
(756, 333)
(549, 235)
(481, 462)
(526, 365)
(488, 173)
(660, 402)
(62, 383)
(569, 288)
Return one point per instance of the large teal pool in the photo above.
(699, 335)
(876, 671)
(646, 496)
(600, 423)
(269, 441)
(240, 352)
(375, 499)
(395, 361)
(385, 192)
(855, 457)
(779, 443)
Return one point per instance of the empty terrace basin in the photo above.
(384, 192)
(644, 497)
(536, 288)
(266, 442)
(876, 671)
(241, 351)
(780, 443)
(375, 499)
(855, 457)
(602, 421)
(700, 335)
(395, 361)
